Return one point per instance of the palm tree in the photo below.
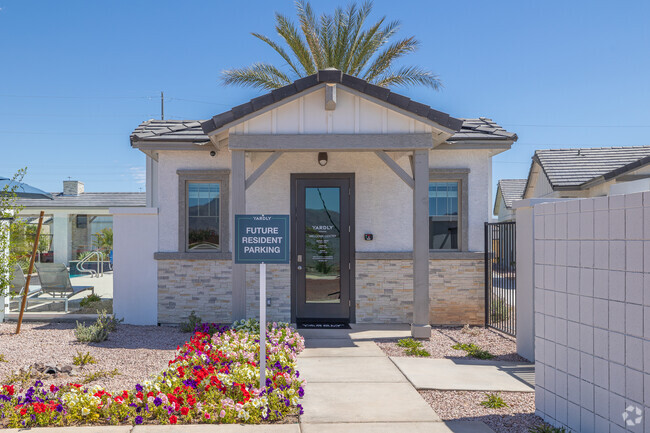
(335, 41)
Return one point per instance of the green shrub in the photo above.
(89, 300)
(3, 358)
(545, 428)
(98, 331)
(82, 359)
(473, 350)
(493, 401)
(192, 322)
(412, 347)
(253, 325)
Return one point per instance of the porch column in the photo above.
(238, 200)
(420, 327)
(61, 237)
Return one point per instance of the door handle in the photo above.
(299, 258)
(299, 268)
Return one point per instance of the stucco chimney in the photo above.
(72, 187)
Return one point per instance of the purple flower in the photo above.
(59, 408)
(157, 401)
(139, 387)
(299, 406)
(38, 383)
(301, 392)
(138, 419)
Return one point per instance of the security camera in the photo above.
(213, 153)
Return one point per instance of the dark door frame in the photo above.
(294, 238)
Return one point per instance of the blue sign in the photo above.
(261, 238)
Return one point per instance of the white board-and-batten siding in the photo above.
(354, 114)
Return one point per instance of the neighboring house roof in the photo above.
(511, 190)
(88, 199)
(330, 76)
(573, 168)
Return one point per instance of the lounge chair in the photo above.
(18, 282)
(55, 283)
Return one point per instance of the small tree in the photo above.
(104, 240)
(9, 210)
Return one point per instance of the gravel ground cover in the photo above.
(442, 338)
(137, 352)
(518, 417)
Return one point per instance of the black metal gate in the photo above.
(500, 276)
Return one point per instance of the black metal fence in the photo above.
(500, 276)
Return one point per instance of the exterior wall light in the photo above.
(322, 158)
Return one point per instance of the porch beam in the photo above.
(390, 162)
(262, 168)
(420, 327)
(238, 199)
(330, 142)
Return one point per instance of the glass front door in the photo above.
(322, 259)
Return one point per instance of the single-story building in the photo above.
(387, 199)
(588, 172)
(508, 191)
(73, 217)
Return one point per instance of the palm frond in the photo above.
(409, 75)
(310, 31)
(355, 34)
(289, 33)
(279, 50)
(385, 59)
(260, 75)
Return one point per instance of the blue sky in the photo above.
(78, 76)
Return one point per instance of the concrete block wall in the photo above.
(592, 312)
(203, 286)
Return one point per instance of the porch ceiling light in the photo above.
(322, 158)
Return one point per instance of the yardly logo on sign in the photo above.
(633, 415)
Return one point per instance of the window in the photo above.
(443, 215)
(203, 211)
(203, 216)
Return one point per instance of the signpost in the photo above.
(262, 239)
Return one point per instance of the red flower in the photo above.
(10, 389)
(185, 410)
(52, 388)
(173, 419)
(191, 400)
(207, 415)
(139, 395)
(23, 411)
(125, 395)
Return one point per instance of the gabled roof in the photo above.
(88, 199)
(511, 190)
(573, 168)
(330, 76)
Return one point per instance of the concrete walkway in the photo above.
(353, 386)
(467, 375)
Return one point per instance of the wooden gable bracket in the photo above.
(259, 171)
(330, 97)
(390, 162)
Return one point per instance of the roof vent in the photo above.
(72, 187)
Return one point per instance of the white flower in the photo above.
(85, 411)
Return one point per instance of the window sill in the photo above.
(192, 256)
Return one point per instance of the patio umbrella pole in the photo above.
(29, 272)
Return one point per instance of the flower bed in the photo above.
(212, 379)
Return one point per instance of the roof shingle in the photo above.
(571, 168)
(511, 190)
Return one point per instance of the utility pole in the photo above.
(162, 105)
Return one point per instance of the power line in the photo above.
(533, 125)
(75, 97)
